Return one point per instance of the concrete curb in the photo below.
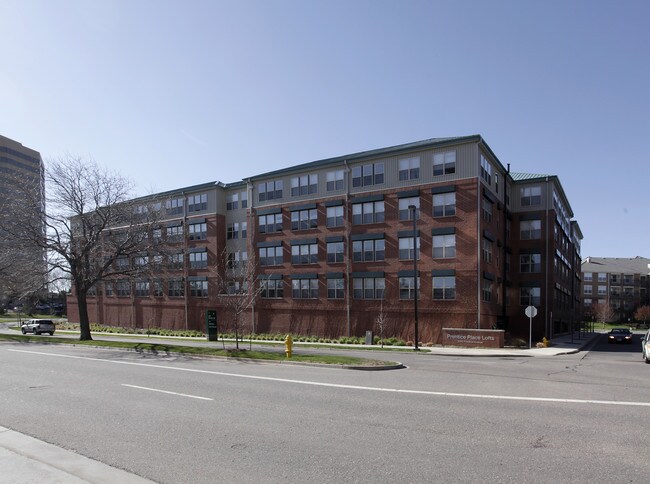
(26, 456)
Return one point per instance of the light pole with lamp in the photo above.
(413, 210)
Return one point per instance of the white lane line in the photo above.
(165, 391)
(352, 387)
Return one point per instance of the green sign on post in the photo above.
(211, 324)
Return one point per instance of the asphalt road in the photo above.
(572, 418)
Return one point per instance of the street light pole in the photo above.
(413, 210)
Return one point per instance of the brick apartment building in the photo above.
(622, 283)
(334, 242)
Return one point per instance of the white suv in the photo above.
(645, 346)
(38, 326)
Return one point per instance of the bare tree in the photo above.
(642, 313)
(91, 226)
(381, 322)
(236, 288)
(604, 312)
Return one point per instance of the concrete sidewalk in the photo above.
(24, 459)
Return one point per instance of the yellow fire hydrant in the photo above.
(288, 345)
(546, 342)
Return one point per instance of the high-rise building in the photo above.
(334, 244)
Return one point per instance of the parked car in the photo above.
(38, 326)
(619, 335)
(645, 347)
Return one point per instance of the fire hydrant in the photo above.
(288, 345)
(546, 342)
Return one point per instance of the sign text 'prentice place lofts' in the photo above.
(333, 243)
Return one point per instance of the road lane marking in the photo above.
(165, 391)
(350, 387)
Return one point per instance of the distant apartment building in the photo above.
(18, 161)
(334, 244)
(622, 283)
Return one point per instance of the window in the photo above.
(487, 250)
(199, 288)
(368, 287)
(628, 279)
(197, 203)
(335, 289)
(444, 163)
(602, 277)
(368, 250)
(444, 287)
(507, 262)
(628, 291)
(486, 170)
(244, 199)
(589, 276)
(158, 288)
(530, 229)
(122, 263)
(304, 254)
(409, 247)
(270, 190)
(270, 223)
(334, 216)
(530, 296)
(615, 291)
(175, 288)
(334, 180)
(405, 212)
(304, 219)
(141, 261)
(407, 287)
(198, 260)
(232, 231)
(444, 204)
(335, 252)
(271, 256)
(444, 246)
(486, 292)
(304, 185)
(156, 235)
(614, 279)
(198, 231)
(175, 233)
(602, 290)
(108, 289)
(304, 289)
(232, 201)
(409, 168)
(531, 196)
(244, 230)
(368, 213)
(175, 261)
(123, 288)
(142, 288)
(366, 175)
(271, 289)
(174, 207)
(487, 210)
(531, 263)
(587, 302)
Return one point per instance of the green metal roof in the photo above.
(527, 176)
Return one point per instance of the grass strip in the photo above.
(158, 349)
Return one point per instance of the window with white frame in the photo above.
(198, 288)
(405, 213)
(335, 216)
(602, 277)
(197, 203)
(409, 247)
(175, 233)
(530, 296)
(335, 289)
(175, 261)
(587, 289)
(198, 231)
(304, 254)
(487, 210)
(487, 250)
(368, 213)
(444, 246)
(531, 196)
(407, 287)
(198, 260)
(244, 199)
(335, 180)
(444, 204)
(304, 289)
(174, 206)
(530, 229)
(232, 231)
(270, 256)
(409, 168)
(486, 170)
(244, 230)
(335, 252)
(589, 276)
(270, 190)
(530, 263)
(123, 288)
(158, 290)
(271, 288)
(304, 219)
(587, 302)
(232, 201)
(368, 250)
(602, 290)
(304, 185)
(444, 287)
(368, 287)
(270, 223)
(366, 175)
(444, 163)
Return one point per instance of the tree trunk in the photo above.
(84, 323)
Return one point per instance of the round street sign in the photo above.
(531, 311)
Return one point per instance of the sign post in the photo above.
(211, 324)
(531, 312)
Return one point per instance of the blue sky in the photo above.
(176, 93)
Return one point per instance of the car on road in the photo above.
(645, 347)
(38, 326)
(619, 335)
